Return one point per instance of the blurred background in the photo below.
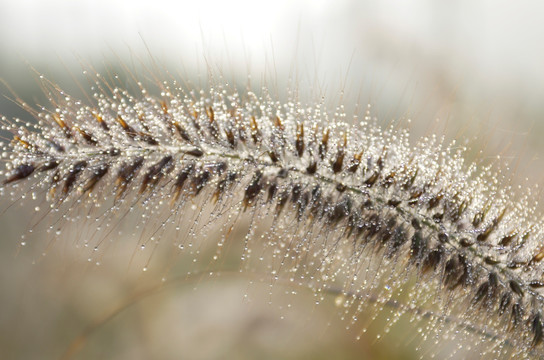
(470, 71)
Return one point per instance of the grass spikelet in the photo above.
(346, 208)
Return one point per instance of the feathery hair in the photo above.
(337, 205)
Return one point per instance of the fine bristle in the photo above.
(342, 205)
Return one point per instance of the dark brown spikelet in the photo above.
(156, 172)
(22, 171)
(353, 210)
(299, 142)
(98, 173)
(73, 173)
(181, 178)
(126, 173)
(253, 189)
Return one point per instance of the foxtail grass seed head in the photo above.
(334, 202)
